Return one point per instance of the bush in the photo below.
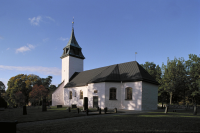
(3, 103)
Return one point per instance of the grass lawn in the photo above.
(36, 114)
(155, 121)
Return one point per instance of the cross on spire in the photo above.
(73, 23)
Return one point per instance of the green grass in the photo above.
(36, 114)
(155, 121)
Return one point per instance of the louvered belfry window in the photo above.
(81, 94)
(70, 95)
(112, 94)
(129, 93)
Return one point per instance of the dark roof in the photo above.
(125, 72)
(72, 48)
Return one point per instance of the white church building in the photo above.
(123, 86)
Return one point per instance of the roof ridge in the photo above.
(93, 79)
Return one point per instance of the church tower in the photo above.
(72, 58)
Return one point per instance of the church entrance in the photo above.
(95, 101)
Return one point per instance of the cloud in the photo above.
(63, 39)
(25, 48)
(1, 37)
(42, 70)
(45, 40)
(7, 48)
(50, 18)
(35, 20)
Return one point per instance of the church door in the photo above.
(95, 101)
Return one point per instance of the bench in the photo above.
(74, 106)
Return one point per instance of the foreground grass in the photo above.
(156, 121)
(36, 114)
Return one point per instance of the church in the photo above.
(123, 86)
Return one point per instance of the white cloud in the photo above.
(35, 20)
(39, 69)
(25, 48)
(50, 18)
(63, 39)
(45, 40)
(1, 37)
(7, 48)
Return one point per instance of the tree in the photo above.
(38, 93)
(52, 88)
(20, 98)
(21, 83)
(2, 88)
(193, 71)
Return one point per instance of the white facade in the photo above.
(70, 65)
(144, 95)
(58, 96)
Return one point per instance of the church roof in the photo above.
(125, 72)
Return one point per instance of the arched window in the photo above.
(70, 95)
(113, 94)
(81, 94)
(129, 93)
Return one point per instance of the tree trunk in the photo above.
(170, 98)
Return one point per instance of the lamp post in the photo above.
(135, 55)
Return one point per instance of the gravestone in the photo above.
(8, 127)
(87, 112)
(59, 106)
(78, 110)
(100, 111)
(24, 110)
(44, 107)
(195, 110)
(69, 109)
(97, 108)
(105, 110)
(166, 108)
(115, 110)
(85, 103)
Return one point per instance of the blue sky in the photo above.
(34, 33)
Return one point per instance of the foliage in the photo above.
(2, 86)
(20, 98)
(52, 88)
(38, 93)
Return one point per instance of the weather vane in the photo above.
(73, 23)
(135, 55)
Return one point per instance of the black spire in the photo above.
(72, 48)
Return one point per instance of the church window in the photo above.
(129, 93)
(95, 91)
(75, 94)
(66, 50)
(81, 94)
(70, 95)
(113, 94)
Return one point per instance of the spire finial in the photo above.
(73, 23)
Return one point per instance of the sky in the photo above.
(34, 33)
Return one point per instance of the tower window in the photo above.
(66, 50)
(112, 94)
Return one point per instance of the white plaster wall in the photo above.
(100, 87)
(111, 104)
(69, 66)
(57, 96)
(75, 100)
(136, 102)
(149, 96)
